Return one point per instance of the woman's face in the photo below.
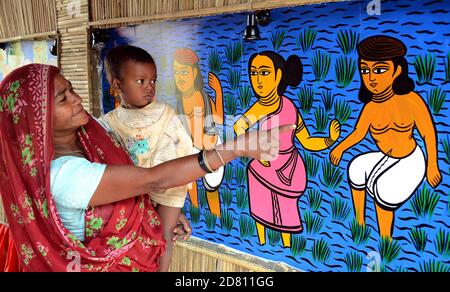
(184, 76)
(69, 114)
(263, 77)
(378, 76)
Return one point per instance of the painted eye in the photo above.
(264, 73)
(380, 70)
(184, 73)
(253, 73)
(365, 71)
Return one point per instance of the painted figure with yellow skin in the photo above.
(201, 114)
(391, 113)
(275, 187)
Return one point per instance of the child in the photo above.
(150, 131)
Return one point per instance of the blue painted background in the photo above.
(423, 25)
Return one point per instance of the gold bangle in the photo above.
(220, 157)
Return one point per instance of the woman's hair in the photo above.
(118, 56)
(292, 69)
(384, 48)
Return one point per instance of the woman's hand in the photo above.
(183, 228)
(261, 145)
(336, 156)
(214, 82)
(335, 130)
(434, 176)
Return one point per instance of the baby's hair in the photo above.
(118, 56)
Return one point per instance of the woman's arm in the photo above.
(358, 134)
(427, 130)
(121, 182)
(317, 143)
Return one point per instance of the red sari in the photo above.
(123, 236)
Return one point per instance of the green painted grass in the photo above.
(231, 104)
(298, 245)
(194, 213)
(442, 243)
(274, 236)
(332, 175)
(353, 262)
(234, 78)
(436, 99)
(345, 69)
(306, 39)
(322, 118)
(311, 165)
(228, 174)
(242, 199)
(360, 233)
(419, 238)
(306, 98)
(389, 250)
(246, 226)
(313, 223)
(339, 209)
(424, 202)
(203, 201)
(446, 147)
(347, 40)
(327, 99)
(234, 52)
(277, 39)
(321, 65)
(211, 220)
(425, 66)
(226, 221)
(321, 251)
(433, 266)
(215, 61)
(241, 176)
(245, 96)
(227, 197)
(342, 111)
(314, 198)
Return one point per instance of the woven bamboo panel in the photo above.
(26, 17)
(113, 13)
(197, 255)
(72, 17)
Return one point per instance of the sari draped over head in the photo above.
(123, 236)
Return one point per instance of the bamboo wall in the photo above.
(74, 46)
(113, 13)
(21, 18)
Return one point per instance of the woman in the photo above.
(72, 197)
(201, 114)
(391, 113)
(275, 187)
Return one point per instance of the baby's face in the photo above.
(138, 84)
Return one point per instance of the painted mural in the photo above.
(362, 184)
(17, 54)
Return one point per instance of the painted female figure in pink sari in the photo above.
(275, 187)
